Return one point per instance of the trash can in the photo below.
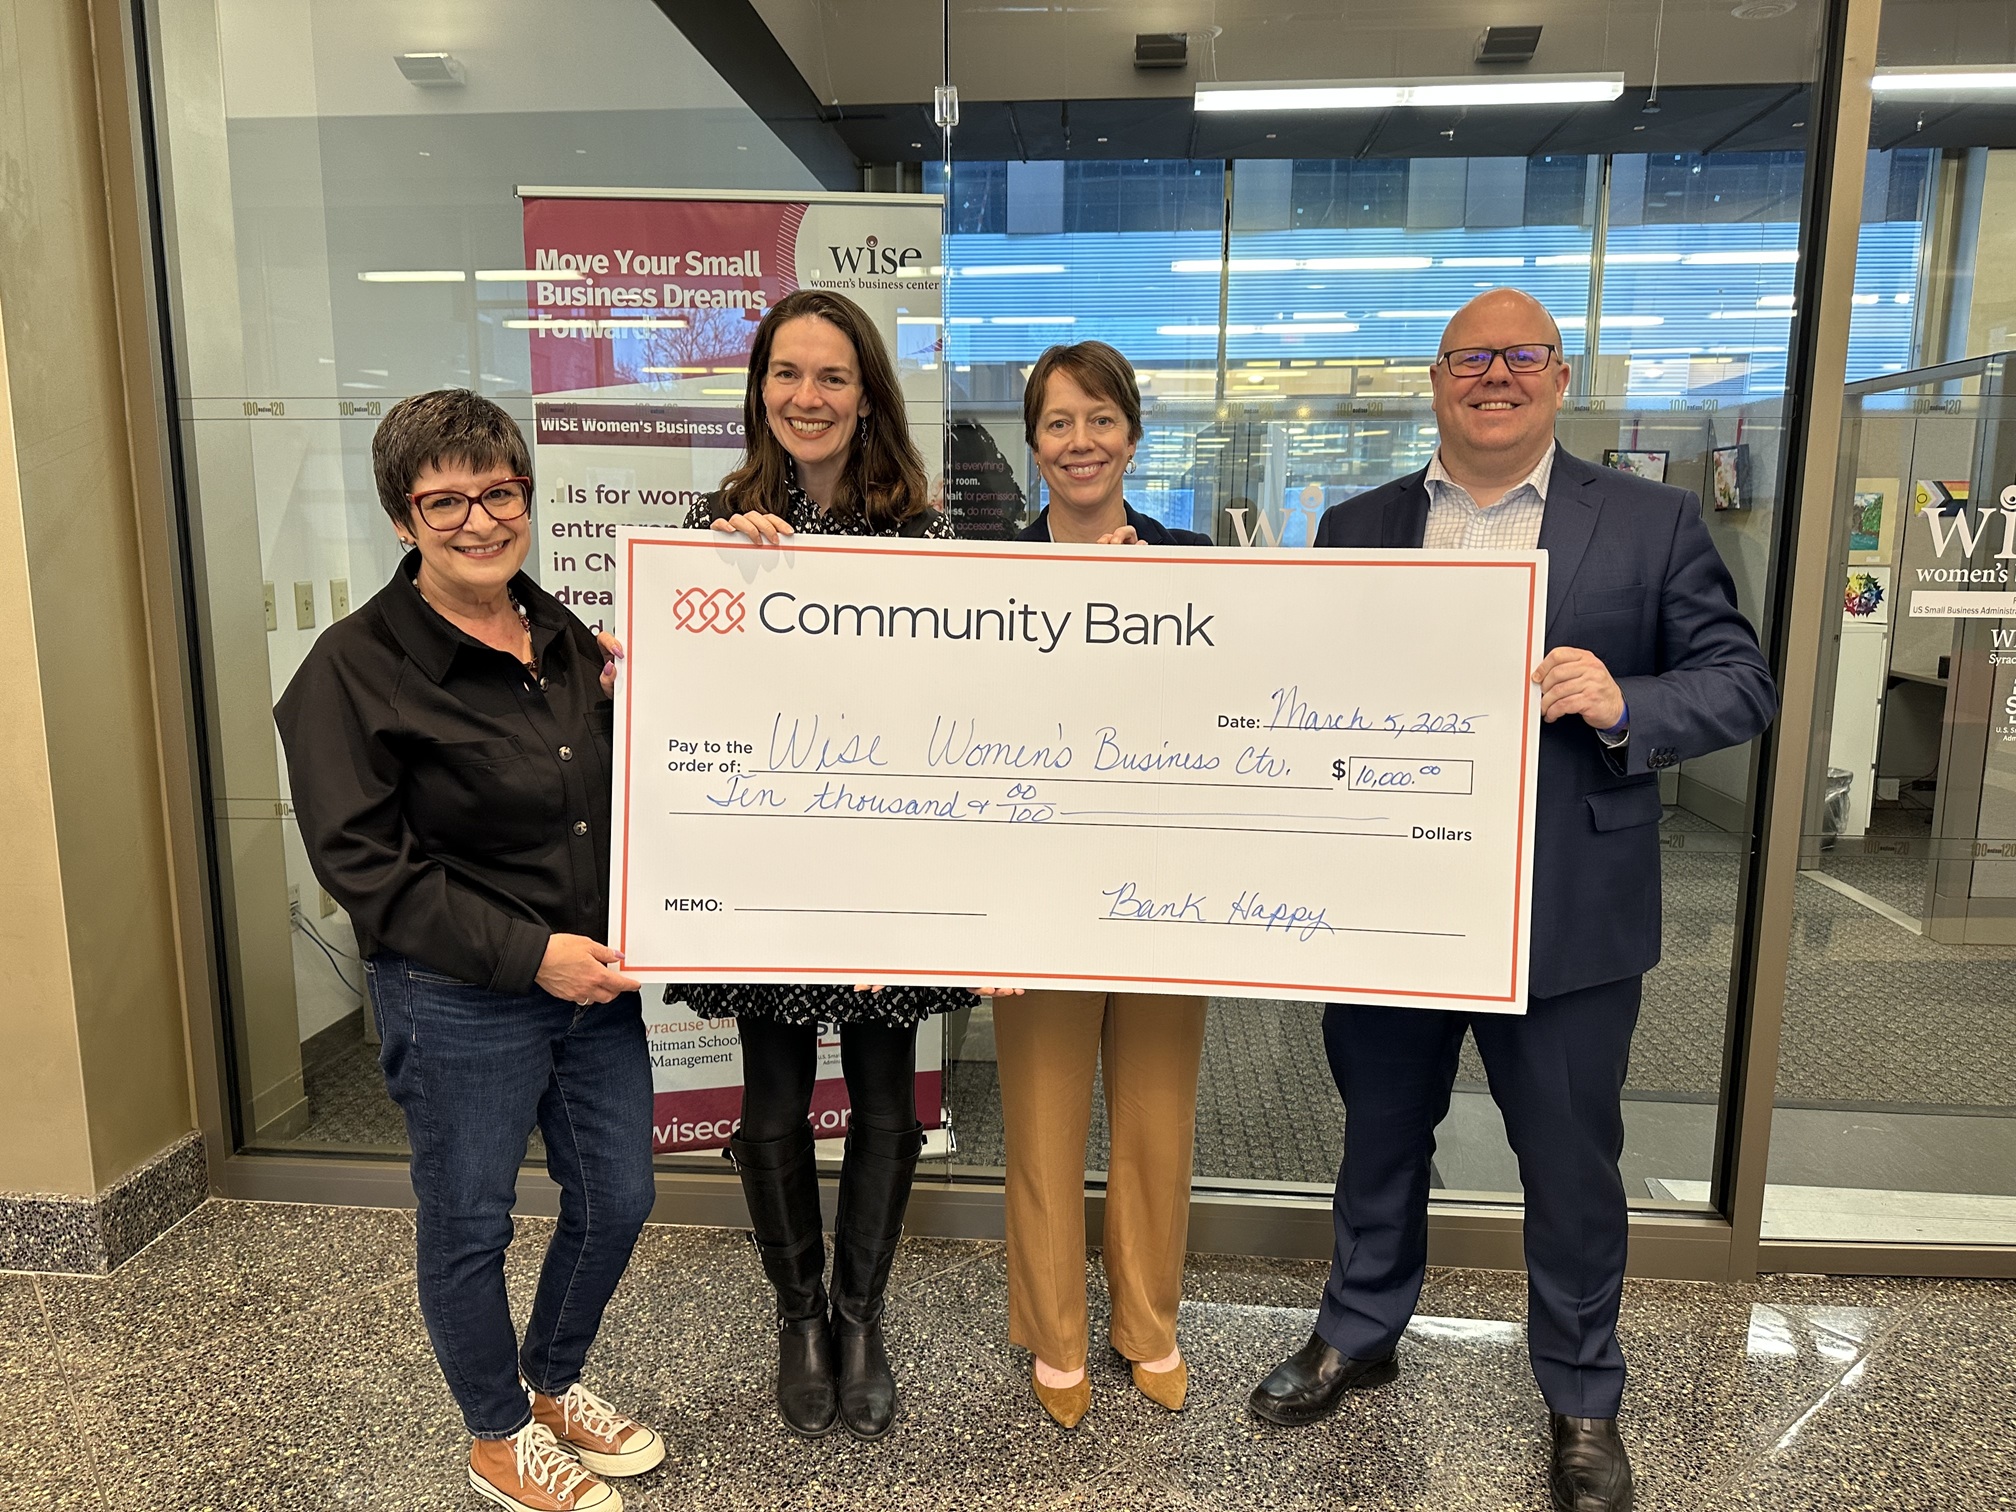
(1834, 819)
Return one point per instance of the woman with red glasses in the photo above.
(448, 749)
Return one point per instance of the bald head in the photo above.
(1496, 310)
(1495, 426)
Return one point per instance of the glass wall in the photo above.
(341, 236)
(1896, 1117)
(342, 233)
(1281, 305)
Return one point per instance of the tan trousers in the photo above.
(1047, 1044)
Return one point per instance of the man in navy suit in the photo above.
(1648, 663)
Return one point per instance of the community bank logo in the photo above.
(721, 610)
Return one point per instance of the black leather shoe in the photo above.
(875, 1179)
(781, 1184)
(1591, 1472)
(868, 1398)
(807, 1397)
(1309, 1384)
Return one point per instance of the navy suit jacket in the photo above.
(1632, 577)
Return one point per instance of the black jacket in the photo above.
(1152, 531)
(458, 809)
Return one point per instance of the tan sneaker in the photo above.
(530, 1472)
(607, 1442)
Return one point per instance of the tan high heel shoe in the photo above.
(1067, 1405)
(1165, 1388)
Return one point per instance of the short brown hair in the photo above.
(1095, 367)
(883, 478)
(447, 425)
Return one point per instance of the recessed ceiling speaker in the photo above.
(436, 70)
(1161, 50)
(1508, 44)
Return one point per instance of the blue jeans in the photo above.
(473, 1070)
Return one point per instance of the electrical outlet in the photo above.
(272, 609)
(293, 897)
(339, 597)
(328, 903)
(304, 606)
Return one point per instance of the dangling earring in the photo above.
(861, 429)
(1130, 465)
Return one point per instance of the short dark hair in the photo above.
(447, 425)
(1095, 367)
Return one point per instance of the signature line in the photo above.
(1285, 928)
(900, 913)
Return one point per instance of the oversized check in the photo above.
(1288, 774)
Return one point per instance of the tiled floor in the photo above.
(271, 1357)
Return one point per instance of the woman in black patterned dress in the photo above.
(829, 452)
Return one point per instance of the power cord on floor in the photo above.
(329, 952)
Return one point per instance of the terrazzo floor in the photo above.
(264, 1357)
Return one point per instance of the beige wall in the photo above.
(95, 1077)
(1991, 322)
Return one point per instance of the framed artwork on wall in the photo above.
(1872, 519)
(1729, 476)
(1640, 464)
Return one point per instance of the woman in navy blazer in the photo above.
(1081, 414)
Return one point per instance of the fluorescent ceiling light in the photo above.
(1417, 314)
(1213, 266)
(600, 327)
(413, 275)
(1641, 257)
(1751, 314)
(1489, 262)
(1312, 328)
(1012, 270)
(1033, 320)
(528, 275)
(1204, 330)
(1617, 322)
(1562, 260)
(1972, 78)
(1375, 94)
(1737, 259)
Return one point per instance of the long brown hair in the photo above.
(883, 477)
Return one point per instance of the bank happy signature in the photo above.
(1251, 908)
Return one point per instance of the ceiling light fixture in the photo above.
(1374, 94)
(432, 70)
(1997, 78)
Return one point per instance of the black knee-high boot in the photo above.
(781, 1184)
(874, 1191)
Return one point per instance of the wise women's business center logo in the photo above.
(872, 255)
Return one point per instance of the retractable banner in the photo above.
(641, 309)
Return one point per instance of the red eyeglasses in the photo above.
(444, 509)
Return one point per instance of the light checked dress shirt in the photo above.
(1457, 523)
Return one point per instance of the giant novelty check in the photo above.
(1274, 774)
